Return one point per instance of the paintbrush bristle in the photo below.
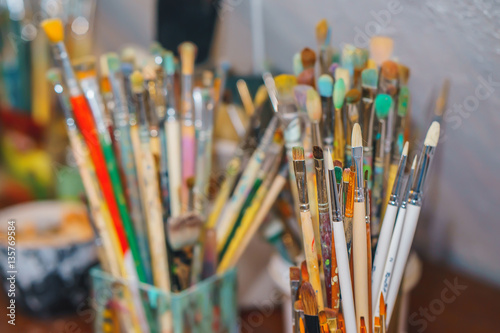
(337, 163)
(308, 57)
(339, 93)
(190, 182)
(338, 174)
(299, 306)
(382, 305)
(307, 77)
(103, 65)
(128, 55)
(313, 105)
(184, 230)
(285, 84)
(330, 313)
(389, 70)
(137, 82)
(369, 78)
(345, 175)
(356, 139)
(329, 160)
(405, 149)
(113, 62)
(383, 105)
(322, 32)
(298, 153)
(322, 317)
(149, 72)
(303, 272)
(381, 49)
(414, 164)
(343, 73)
(404, 74)
(432, 137)
(325, 85)
(54, 29)
(317, 152)
(353, 96)
(308, 297)
(294, 274)
(187, 53)
(404, 96)
(297, 64)
(169, 63)
(443, 98)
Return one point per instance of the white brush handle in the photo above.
(410, 225)
(360, 263)
(344, 277)
(173, 130)
(382, 250)
(390, 261)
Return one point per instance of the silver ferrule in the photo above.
(327, 108)
(321, 185)
(415, 197)
(357, 157)
(406, 193)
(187, 100)
(398, 182)
(301, 180)
(316, 134)
(120, 111)
(334, 197)
(60, 54)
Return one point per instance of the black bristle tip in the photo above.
(318, 153)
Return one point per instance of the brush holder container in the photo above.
(209, 306)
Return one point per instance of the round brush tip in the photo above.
(432, 137)
(356, 139)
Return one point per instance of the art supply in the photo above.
(323, 33)
(325, 90)
(359, 250)
(309, 300)
(352, 117)
(387, 229)
(306, 222)
(369, 80)
(339, 90)
(412, 214)
(381, 48)
(294, 287)
(313, 106)
(341, 250)
(299, 313)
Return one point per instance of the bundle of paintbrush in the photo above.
(347, 122)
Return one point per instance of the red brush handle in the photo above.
(84, 120)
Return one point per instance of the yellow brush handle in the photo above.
(338, 136)
(173, 131)
(311, 256)
(154, 215)
(393, 170)
(360, 262)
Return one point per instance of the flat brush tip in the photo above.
(317, 152)
(356, 139)
(298, 153)
(308, 297)
(432, 137)
(405, 149)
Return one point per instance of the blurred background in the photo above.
(457, 40)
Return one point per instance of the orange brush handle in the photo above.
(84, 120)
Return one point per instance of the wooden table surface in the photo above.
(455, 303)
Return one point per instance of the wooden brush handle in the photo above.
(311, 256)
(360, 262)
(173, 131)
(326, 253)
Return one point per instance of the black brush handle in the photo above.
(312, 324)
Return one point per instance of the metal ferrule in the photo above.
(321, 185)
(316, 134)
(300, 177)
(357, 157)
(143, 120)
(352, 117)
(335, 198)
(415, 197)
(398, 182)
(187, 100)
(406, 193)
(60, 54)
(327, 108)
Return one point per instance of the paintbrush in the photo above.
(231, 212)
(323, 323)
(98, 207)
(387, 229)
(297, 64)
(299, 165)
(352, 99)
(187, 54)
(395, 238)
(369, 80)
(309, 300)
(349, 179)
(308, 58)
(331, 318)
(339, 90)
(298, 307)
(151, 193)
(325, 90)
(323, 33)
(347, 61)
(359, 251)
(382, 106)
(412, 214)
(325, 228)
(360, 58)
(341, 248)
(343, 73)
(264, 200)
(294, 287)
(441, 101)
(381, 49)
(313, 106)
(246, 99)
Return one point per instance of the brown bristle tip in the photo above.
(190, 182)
(298, 153)
(356, 139)
(299, 306)
(353, 96)
(337, 163)
(308, 57)
(308, 296)
(322, 317)
(330, 313)
(317, 152)
(294, 274)
(303, 271)
(389, 70)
